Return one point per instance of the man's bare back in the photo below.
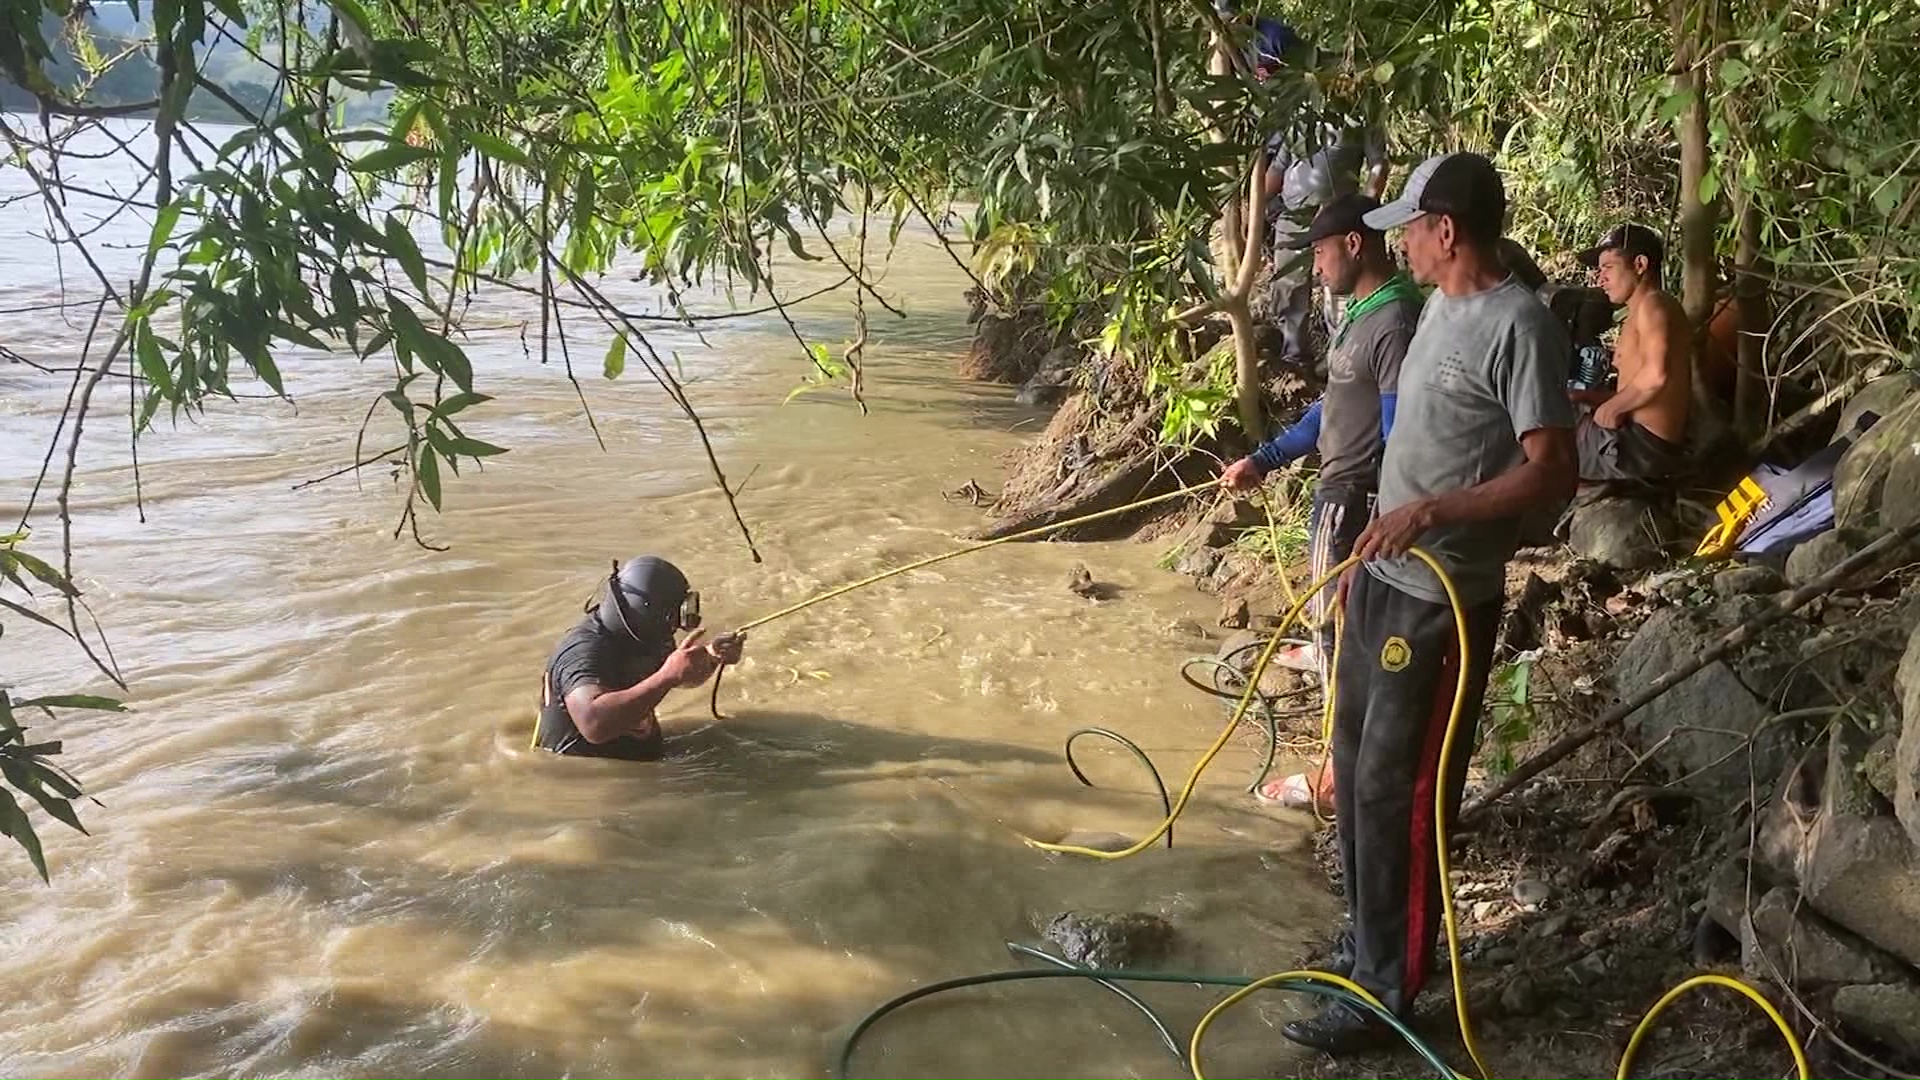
(1654, 359)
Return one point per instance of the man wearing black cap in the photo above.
(1482, 434)
(1639, 430)
(611, 671)
(1348, 425)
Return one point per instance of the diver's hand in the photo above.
(692, 663)
(727, 648)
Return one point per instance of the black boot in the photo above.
(1341, 1029)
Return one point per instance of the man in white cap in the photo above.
(1483, 433)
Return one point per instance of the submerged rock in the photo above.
(1108, 940)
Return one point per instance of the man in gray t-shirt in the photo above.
(1483, 433)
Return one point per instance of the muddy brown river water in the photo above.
(325, 849)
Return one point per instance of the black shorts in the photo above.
(1628, 452)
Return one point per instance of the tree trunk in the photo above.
(1246, 368)
(1692, 25)
(1157, 27)
(1751, 409)
(1242, 225)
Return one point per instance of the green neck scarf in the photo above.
(1397, 287)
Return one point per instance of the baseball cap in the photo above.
(1346, 214)
(1465, 187)
(1628, 239)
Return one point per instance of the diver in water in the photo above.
(611, 671)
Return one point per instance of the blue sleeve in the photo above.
(1296, 442)
(1387, 403)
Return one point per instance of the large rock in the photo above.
(1900, 495)
(1880, 397)
(1783, 935)
(1906, 754)
(1748, 580)
(1812, 558)
(1707, 719)
(1861, 480)
(1727, 897)
(1889, 1013)
(1857, 870)
(1623, 533)
(1104, 940)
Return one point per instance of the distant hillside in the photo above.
(136, 78)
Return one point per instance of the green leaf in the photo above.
(1674, 105)
(1710, 185)
(29, 613)
(379, 341)
(1734, 72)
(14, 823)
(398, 399)
(389, 158)
(428, 471)
(262, 363)
(402, 246)
(616, 362)
(40, 569)
(22, 776)
(586, 193)
(495, 147)
(74, 701)
(163, 226)
(286, 331)
(457, 402)
(345, 298)
(476, 448)
(1886, 194)
(800, 252)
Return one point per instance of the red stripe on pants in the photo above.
(1420, 850)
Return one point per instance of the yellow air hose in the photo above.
(1451, 920)
(1297, 605)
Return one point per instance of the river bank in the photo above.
(1592, 891)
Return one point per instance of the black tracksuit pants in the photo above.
(1399, 662)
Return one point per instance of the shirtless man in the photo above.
(1637, 432)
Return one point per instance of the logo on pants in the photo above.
(1396, 654)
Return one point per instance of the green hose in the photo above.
(1166, 802)
(843, 1062)
(1225, 672)
(1167, 1038)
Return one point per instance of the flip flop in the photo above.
(1292, 793)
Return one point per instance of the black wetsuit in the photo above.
(590, 653)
